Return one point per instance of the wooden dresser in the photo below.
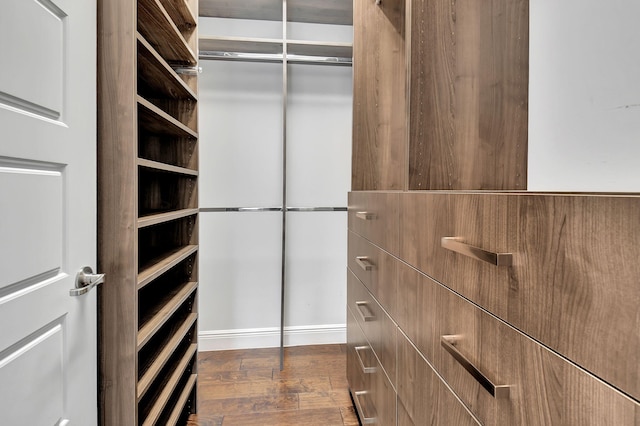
(496, 308)
(470, 300)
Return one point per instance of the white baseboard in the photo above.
(252, 338)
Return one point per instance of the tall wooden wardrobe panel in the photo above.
(468, 86)
(148, 210)
(379, 86)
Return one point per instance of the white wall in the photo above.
(584, 96)
(240, 166)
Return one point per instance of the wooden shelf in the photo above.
(163, 265)
(155, 219)
(158, 75)
(264, 10)
(169, 387)
(182, 400)
(156, 25)
(161, 360)
(180, 13)
(171, 304)
(240, 45)
(319, 48)
(163, 167)
(148, 177)
(157, 121)
(337, 12)
(271, 50)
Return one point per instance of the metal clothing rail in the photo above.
(274, 58)
(271, 209)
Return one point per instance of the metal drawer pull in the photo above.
(496, 391)
(362, 305)
(364, 263)
(365, 215)
(365, 370)
(456, 244)
(363, 418)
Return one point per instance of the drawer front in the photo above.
(573, 279)
(578, 267)
(378, 328)
(423, 399)
(504, 377)
(359, 356)
(374, 215)
(478, 220)
(376, 269)
(373, 394)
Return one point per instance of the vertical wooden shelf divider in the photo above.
(148, 210)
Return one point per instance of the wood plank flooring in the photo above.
(246, 387)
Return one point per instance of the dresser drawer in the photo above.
(505, 377)
(360, 358)
(479, 220)
(423, 399)
(573, 279)
(373, 394)
(375, 268)
(378, 328)
(374, 215)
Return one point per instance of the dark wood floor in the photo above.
(246, 387)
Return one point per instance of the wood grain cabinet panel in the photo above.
(544, 388)
(572, 284)
(376, 268)
(423, 399)
(374, 215)
(479, 220)
(378, 328)
(379, 96)
(469, 94)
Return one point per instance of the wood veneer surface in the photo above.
(469, 94)
(246, 387)
(574, 281)
(117, 183)
(379, 99)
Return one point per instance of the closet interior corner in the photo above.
(275, 115)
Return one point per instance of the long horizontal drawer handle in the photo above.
(496, 391)
(363, 418)
(365, 369)
(365, 215)
(364, 263)
(456, 244)
(366, 316)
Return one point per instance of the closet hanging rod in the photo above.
(271, 209)
(274, 58)
(240, 56)
(319, 60)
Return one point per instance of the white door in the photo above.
(48, 361)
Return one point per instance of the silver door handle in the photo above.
(85, 281)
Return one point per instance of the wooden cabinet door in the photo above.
(379, 96)
(469, 94)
